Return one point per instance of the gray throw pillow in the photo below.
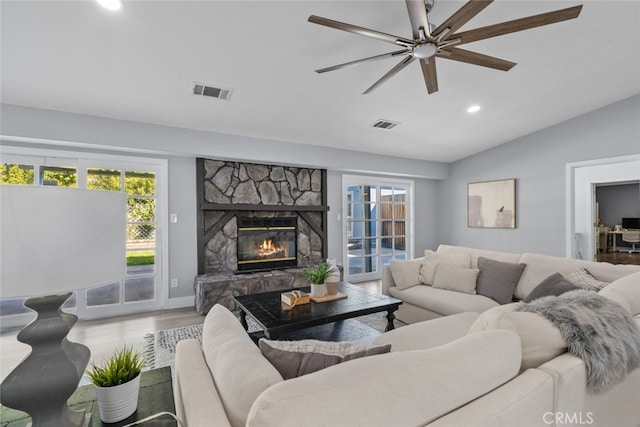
(295, 358)
(497, 280)
(555, 284)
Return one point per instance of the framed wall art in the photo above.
(492, 204)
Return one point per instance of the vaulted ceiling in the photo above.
(140, 64)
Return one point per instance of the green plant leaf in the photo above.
(123, 366)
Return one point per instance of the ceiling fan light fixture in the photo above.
(111, 4)
(425, 50)
(427, 43)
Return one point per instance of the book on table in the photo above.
(295, 298)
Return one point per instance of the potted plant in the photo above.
(118, 384)
(317, 276)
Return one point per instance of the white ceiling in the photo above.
(139, 64)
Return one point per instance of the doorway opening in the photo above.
(582, 212)
(617, 222)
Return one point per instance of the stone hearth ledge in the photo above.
(211, 289)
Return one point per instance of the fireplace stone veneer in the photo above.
(231, 190)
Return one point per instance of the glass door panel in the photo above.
(141, 236)
(59, 176)
(106, 180)
(141, 279)
(14, 173)
(376, 227)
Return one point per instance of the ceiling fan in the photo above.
(431, 42)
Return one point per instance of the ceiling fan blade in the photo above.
(418, 17)
(518, 25)
(462, 55)
(461, 17)
(360, 61)
(395, 70)
(429, 72)
(389, 38)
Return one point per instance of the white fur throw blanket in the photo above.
(597, 330)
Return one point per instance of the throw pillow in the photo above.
(582, 278)
(456, 279)
(541, 340)
(433, 259)
(428, 268)
(497, 279)
(405, 273)
(295, 358)
(552, 285)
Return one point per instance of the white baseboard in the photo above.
(181, 302)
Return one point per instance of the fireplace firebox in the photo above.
(266, 243)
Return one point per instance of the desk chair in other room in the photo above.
(633, 237)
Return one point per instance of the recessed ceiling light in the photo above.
(473, 109)
(111, 4)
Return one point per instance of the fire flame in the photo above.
(267, 248)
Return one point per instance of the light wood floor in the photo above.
(104, 335)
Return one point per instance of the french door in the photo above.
(377, 225)
(141, 286)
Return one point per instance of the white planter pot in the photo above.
(119, 402)
(318, 290)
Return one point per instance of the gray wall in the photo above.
(617, 202)
(538, 163)
(183, 257)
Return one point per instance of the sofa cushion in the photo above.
(239, 370)
(626, 292)
(428, 334)
(442, 301)
(540, 267)
(582, 278)
(541, 340)
(555, 284)
(296, 358)
(456, 279)
(433, 259)
(422, 384)
(474, 254)
(405, 273)
(428, 268)
(497, 279)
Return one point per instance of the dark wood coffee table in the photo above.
(267, 310)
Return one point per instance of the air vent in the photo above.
(385, 124)
(211, 91)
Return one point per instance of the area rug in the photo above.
(160, 348)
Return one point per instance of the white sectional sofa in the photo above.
(422, 302)
(464, 369)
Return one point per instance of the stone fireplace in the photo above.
(243, 206)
